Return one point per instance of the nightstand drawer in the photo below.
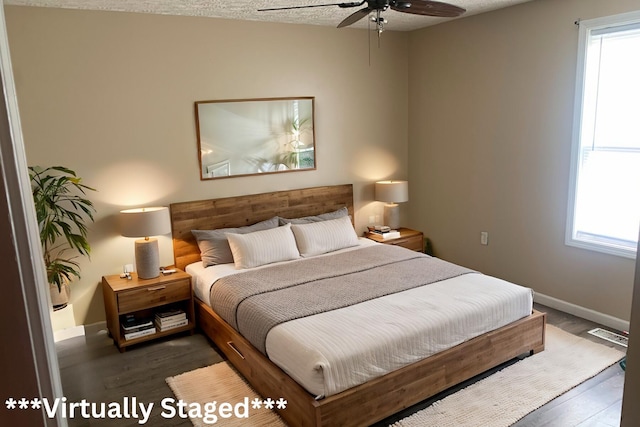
(151, 296)
(414, 243)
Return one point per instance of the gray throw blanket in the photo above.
(255, 301)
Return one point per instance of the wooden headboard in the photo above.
(246, 210)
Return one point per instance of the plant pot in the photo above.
(59, 299)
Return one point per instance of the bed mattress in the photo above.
(330, 352)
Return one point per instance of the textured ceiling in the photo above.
(247, 10)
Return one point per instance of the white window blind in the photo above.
(604, 208)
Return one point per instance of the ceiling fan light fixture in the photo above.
(415, 7)
(379, 20)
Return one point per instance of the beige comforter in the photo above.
(255, 301)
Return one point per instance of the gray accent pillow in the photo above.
(214, 246)
(315, 218)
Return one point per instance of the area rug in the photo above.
(498, 400)
(508, 395)
(222, 384)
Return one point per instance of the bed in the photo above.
(376, 397)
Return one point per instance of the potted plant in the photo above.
(62, 212)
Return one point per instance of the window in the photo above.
(604, 204)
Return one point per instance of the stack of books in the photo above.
(384, 232)
(169, 319)
(133, 327)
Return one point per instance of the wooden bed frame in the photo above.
(374, 400)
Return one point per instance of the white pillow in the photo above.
(263, 247)
(326, 236)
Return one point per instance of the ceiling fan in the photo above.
(416, 7)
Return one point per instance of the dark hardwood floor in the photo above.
(93, 369)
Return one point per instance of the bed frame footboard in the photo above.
(383, 396)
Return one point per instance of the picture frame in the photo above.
(243, 137)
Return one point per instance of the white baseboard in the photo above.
(65, 334)
(88, 331)
(585, 313)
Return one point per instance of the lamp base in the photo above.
(147, 258)
(392, 215)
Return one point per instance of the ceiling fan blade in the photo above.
(427, 8)
(355, 17)
(343, 5)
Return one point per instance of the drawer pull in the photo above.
(233, 347)
(157, 288)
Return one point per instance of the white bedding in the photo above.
(331, 352)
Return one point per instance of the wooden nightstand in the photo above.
(143, 298)
(410, 239)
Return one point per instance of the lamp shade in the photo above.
(145, 222)
(392, 191)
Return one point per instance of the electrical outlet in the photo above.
(484, 238)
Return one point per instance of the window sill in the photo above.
(602, 248)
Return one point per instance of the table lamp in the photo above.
(392, 193)
(145, 222)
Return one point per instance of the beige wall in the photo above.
(111, 96)
(491, 110)
(487, 125)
